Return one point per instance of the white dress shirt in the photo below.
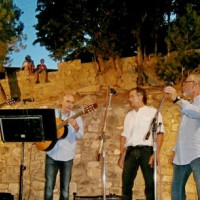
(137, 124)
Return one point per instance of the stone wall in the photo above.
(90, 86)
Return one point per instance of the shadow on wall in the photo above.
(13, 83)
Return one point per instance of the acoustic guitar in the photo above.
(62, 129)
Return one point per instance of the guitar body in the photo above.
(45, 146)
(48, 145)
(62, 130)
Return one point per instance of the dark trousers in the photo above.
(137, 157)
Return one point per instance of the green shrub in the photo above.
(169, 70)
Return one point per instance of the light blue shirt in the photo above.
(187, 146)
(65, 149)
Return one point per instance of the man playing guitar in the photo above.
(61, 156)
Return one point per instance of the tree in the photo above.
(185, 32)
(104, 27)
(111, 28)
(180, 6)
(11, 32)
(10, 27)
(184, 37)
(169, 69)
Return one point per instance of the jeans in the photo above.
(135, 157)
(51, 171)
(180, 177)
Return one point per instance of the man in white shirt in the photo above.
(136, 151)
(186, 153)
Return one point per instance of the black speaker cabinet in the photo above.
(108, 197)
(6, 196)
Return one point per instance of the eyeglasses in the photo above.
(184, 82)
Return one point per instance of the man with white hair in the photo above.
(186, 153)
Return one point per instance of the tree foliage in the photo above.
(190, 61)
(106, 27)
(184, 38)
(10, 29)
(169, 69)
(80, 24)
(184, 34)
(111, 28)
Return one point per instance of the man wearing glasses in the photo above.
(186, 153)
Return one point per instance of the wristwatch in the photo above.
(177, 99)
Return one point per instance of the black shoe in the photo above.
(37, 82)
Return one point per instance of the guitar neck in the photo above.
(66, 121)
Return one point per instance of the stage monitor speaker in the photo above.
(6, 196)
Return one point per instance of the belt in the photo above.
(138, 147)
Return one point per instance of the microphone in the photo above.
(147, 135)
(152, 129)
(113, 91)
(28, 100)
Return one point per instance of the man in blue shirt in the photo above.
(186, 153)
(61, 156)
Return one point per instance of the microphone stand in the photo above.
(103, 139)
(22, 168)
(154, 128)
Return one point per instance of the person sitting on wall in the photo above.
(28, 65)
(40, 69)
